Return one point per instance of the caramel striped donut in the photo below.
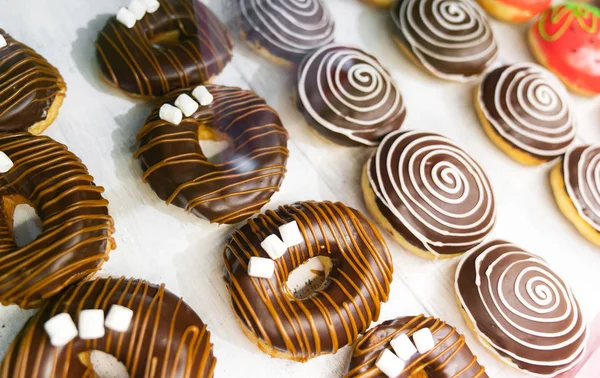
(240, 180)
(524, 109)
(76, 228)
(451, 356)
(451, 39)
(348, 97)
(182, 44)
(334, 315)
(286, 30)
(520, 309)
(429, 194)
(165, 338)
(31, 89)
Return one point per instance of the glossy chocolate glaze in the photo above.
(451, 356)
(28, 86)
(238, 181)
(76, 227)
(581, 168)
(521, 308)
(165, 339)
(133, 59)
(334, 315)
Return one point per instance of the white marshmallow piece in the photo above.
(126, 17)
(5, 163)
(403, 347)
(91, 324)
(203, 96)
(151, 5)
(2, 42)
(137, 8)
(389, 364)
(423, 340)
(261, 267)
(60, 329)
(118, 318)
(274, 247)
(170, 114)
(290, 233)
(186, 104)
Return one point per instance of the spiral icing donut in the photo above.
(433, 198)
(576, 185)
(76, 234)
(525, 111)
(360, 273)
(566, 40)
(520, 309)
(514, 10)
(180, 45)
(348, 97)
(31, 89)
(165, 338)
(286, 30)
(450, 357)
(451, 39)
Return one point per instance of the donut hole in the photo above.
(310, 277)
(167, 39)
(215, 146)
(26, 224)
(103, 365)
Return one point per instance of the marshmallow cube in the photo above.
(389, 364)
(151, 5)
(203, 96)
(423, 340)
(137, 8)
(126, 17)
(261, 267)
(60, 329)
(274, 247)
(118, 318)
(403, 347)
(186, 104)
(5, 163)
(170, 114)
(290, 233)
(2, 42)
(91, 324)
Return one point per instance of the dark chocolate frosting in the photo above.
(432, 192)
(165, 339)
(348, 97)
(581, 172)
(239, 181)
(76, 228)
(28, 86)
(140, 63)
(528, 107)
(521, 308)
(451, 38)
(336, 314)
(287, 29)
(451, 356)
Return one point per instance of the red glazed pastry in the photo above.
(566, 39)
(514, 10)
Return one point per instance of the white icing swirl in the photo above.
(581, 169)
(348, 92)
(529, 109)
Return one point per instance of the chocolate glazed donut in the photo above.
(76, 228)
(240, 180)
(182, 44)
(451, 357)
(31, 89)
(165, 339)
(334, 315)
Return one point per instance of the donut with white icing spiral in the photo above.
(432, 193)
(348, 96)
(286, 29)
(521, 309)
(452, 39)
(528, 107)
(581, 172)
